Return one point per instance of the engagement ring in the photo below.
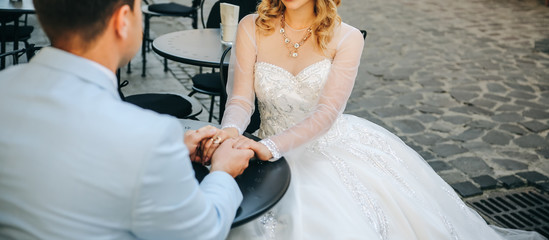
(216, 140)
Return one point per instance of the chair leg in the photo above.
(129, 70)
(192, 93)
(165, 64)
(144, 44)
(3, 49)
(211, 108)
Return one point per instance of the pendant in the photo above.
(294, 54)
(296, 45)
(287, 40)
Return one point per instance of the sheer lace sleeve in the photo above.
(333, 97)
(241, 96)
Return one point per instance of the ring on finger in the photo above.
(216, 140)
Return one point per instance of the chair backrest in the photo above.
(15, 56)
(364, 33)
(223, 69)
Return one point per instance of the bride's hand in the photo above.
(261, 151)
(209, 146)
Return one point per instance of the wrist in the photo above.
(273, 149)
(231, 131)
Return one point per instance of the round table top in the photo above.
(200, 47)
(21, 6)
(262, 184)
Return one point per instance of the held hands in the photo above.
(225, 156)
(208, 146)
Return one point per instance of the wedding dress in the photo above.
(351, 179)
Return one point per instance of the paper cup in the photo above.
(228, 32)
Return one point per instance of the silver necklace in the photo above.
(293, 47)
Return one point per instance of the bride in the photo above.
(351, 179)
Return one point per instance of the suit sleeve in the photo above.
(170, 204)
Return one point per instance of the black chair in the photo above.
(177, 105)
(208, 83)
(13, 33)
(164, 10)
(16, 54)
(255, 119)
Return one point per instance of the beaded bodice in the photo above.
(285, 99)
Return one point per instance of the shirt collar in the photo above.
(83, 68)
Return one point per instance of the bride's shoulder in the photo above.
(345, 33)
(249, 19)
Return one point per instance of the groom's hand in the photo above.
(209, 146)
(193, 139)
(229, 159)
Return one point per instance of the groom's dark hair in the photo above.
(85, 18)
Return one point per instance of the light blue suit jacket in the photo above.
(78, 163)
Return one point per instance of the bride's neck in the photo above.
(299, 19)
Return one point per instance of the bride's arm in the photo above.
(240, 89)
(332, 101)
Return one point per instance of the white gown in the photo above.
(351, 179)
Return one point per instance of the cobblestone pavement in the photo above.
(464, 83)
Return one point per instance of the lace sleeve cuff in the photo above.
(273, 148)
(233, 126)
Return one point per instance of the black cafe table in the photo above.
(199, 47)
(262, 184)
(21, 6)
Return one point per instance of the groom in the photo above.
(78, 163)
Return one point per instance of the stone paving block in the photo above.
(393, 111)
(531, 141)
(463, 96)
(497, 138)
(426, 155)
(452, 176)
(471, 110)
(507, 117)
(429, 109)
(469, 134)
(497, 97)
(484, 103)
(543, 186)
(537, 114)
(427, 139)
(439, 166)
(446, 150)
(408, 125)
(509, 164)
(515, 129)
(511, 181)
(533, 177)
(466, 189)
(509, 108)
(482, 124)
(425, 118)
(521, 95)
(485, 182)
(472, 166)
(496, 87)
(531, 104)
(455, 119)
(535, 126)
(543, 152)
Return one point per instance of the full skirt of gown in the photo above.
(359, 181)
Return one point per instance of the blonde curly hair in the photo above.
(325, 21)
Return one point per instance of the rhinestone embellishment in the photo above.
(288, 42)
